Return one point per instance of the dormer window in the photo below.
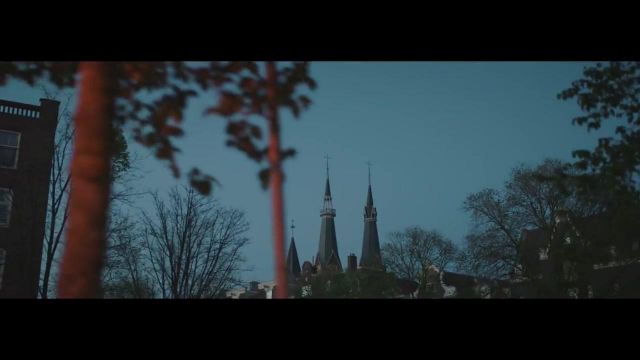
(9, 146)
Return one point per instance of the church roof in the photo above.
(327, 189)
(371, 256)
(328, 243)
(334, 262)
(369, 199)
(293, 263)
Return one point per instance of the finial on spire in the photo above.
(326, 157)
(369, 165)
(292, 227)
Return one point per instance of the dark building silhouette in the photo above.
(370, 257)
(293, 262)
(328, 256)
(352, 262)
(580, 257)
(26, 147)
(439, 283)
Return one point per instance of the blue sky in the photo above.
(434, 131)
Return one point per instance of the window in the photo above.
(2, 257)
(543, 253)
(9, 146)
(6, 195)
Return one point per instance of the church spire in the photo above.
(328, 245)
(293, 263)
(369, 203)
(328, 206)
(371, 256)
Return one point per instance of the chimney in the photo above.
(352, 262)
(49, 111)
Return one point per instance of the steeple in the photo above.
(371, 257)
(369, 204)
(328, 246)
(293, 263)
(328, 206)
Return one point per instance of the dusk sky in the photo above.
(434, 131)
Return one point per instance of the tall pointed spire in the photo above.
(326, 158)
(328, 206)
(369, 203)
(371, 257)
(328, 246)
(293, 263)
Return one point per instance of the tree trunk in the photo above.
(275, 182)
(45, 281)
(89, 198)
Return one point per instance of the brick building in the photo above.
(26, 146)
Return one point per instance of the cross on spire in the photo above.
(292, 227)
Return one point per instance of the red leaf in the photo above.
(228, 104)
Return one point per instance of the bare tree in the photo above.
(191, 245)
(410, 252)
(58, 206)
(122, 177)
(529, 200)
(125, 274)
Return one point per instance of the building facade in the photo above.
(27, 135)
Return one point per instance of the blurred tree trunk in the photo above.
(90, 185)
(277, 206)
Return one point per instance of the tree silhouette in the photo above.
(58, 204)
(410, 252)
(531, 199)
(610, 93)
(188, 246)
